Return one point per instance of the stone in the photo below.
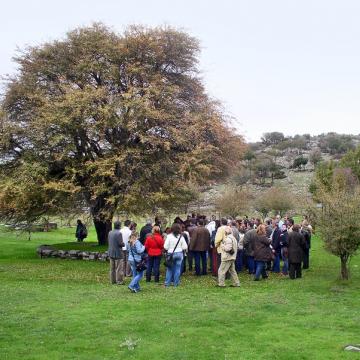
(355, 348)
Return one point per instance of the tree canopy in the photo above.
(114, 121)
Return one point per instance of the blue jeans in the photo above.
(137, 276)
(197, 256)
(251, 264)
(173, 273)
(276, 265)
(153, 265)
(239, 261)
(260, 270)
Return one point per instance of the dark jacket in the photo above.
(200, 239)
(262, 251)
(307, 237)
(81, 231)
(249, 240)
(284, 239)
(296, 246)
(147, 229)
(276, 240)
(116, 244)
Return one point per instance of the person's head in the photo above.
(291, 222)
(296, 228)
(117, 225)
(224, 221)
(176, 229)
(217, 224)
(133, 226)
(193, 221)
(257, 222)
(283, 227)
(148, 222)
(127, 223)
(261, 230)
(201, 222)
(79, 222)
(213, 217)
(156, 229)
(268, 222)
(133, 237)
(188, 217)
(168, 230)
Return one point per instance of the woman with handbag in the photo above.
(136, 259)
(175, 244)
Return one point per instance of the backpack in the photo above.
(228, 244)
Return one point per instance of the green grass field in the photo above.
(66, 309)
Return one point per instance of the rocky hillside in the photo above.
(277, 160)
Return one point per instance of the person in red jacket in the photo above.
(154, 245)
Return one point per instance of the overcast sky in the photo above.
(277, 65)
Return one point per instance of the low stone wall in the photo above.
(46, 251)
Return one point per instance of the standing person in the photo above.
(296, 247)
(212, 252)
(228, 251)
(135, 250)
(249, 240)
(186, 236)
(126, 232)
(306, 232)
(81, 231)
(199, 245)
(219, 237)
(116, 255)
(175, 244)
(275, 242)
(284, 249)
(145, 230)
(154, 245)
(262, 252)
(211, 226)
(239, 256)
(190, 230)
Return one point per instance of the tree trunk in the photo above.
(102, 227)
(344, 268)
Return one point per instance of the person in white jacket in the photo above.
(175, 245)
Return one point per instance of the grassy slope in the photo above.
(64, 309)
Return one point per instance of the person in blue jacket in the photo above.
(136, 251)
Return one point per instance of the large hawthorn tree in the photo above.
(111, 121)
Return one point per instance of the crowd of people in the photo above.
(223, 247)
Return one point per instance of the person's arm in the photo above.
(183, 244)
(193, 241)
(139, 247)
(121, 241)
(147, 246)
(167, 243)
